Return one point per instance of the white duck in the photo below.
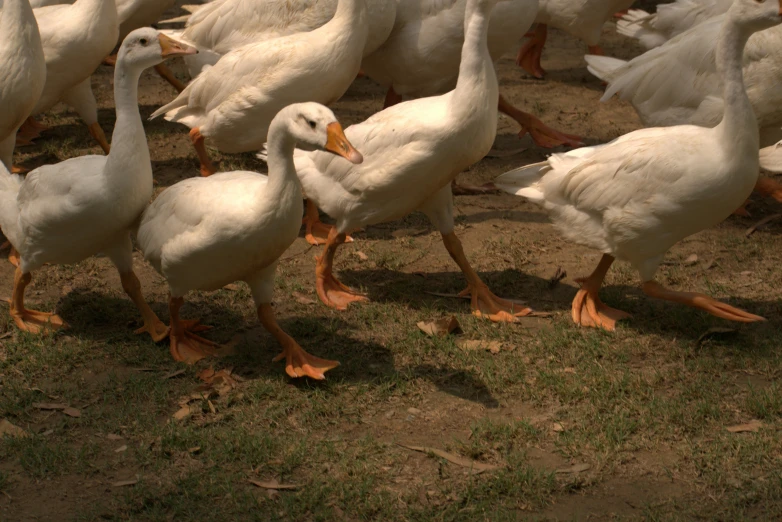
(412, 152)
(637, 196)
(24, 72)
(583, 19)
(222, 26)
(653, 30)
(204, 233)
(679, 82)
(75, 38)
(232, 103)
(69, 211)
(421, 57)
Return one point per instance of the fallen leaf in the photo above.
(453, 296)
(714, 332)
(557, 427)
(122, 448)
(691, 260)
(753, 425)
(302, 298)
(470, 344)
(11, 430)
(194, 449)
(361, 255)
(182, 412)
(6, 335)
(211, 407)
(49, 406)
(272, 484)
(173, 374)
(474, 465)
(577, 468)
(440, 327)
(123, 483)
(232, 287)
(112, 436)
(72, 412)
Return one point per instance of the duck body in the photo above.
(222, 26)
(583, 19)
(678, 82)
(204, 233)
(232, 103)
(421, 57)
(24, 72)
(653, 30)
(75, 38)
(133, 14)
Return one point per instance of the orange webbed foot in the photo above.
(158, 330)
(546, 137)
(531, 52)
(190, 348)
(485, 304)
(317, 232)
(588, 310)
(299, 363)
(334, 294)
(34, 321)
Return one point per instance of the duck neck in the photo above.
(283, 181)
(477, 77)
(17, 21)
(349, 11)
(738, 124)
(128, 141)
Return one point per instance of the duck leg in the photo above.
(97, 133)
(207, 167)
(587, 308)
(483, 302)
(532, 50)
(152, 324)
(298, 363)
(186, 346)
(330, 290)
(168, 75)
(704, 302)
(317, 232)
(392, 98)
(595, 49)
(543, 135)
(29, 130)
(30, 320)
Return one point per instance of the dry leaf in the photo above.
(49, 406)
(72, 412)
(474, 465)
(182, 412)
(211, 407)
(714, 332)
(194, 449)
(577, 468)
(559, 275)
(302, 298)
(11, 430)
(122, 448)
(441, 327)
(361, 255)
(691, 260)
(272, 484)
(232, 287)
(753, 425)
(768, 219)
(112, 436)
(557, 427)
(122, 483)
(491, 346)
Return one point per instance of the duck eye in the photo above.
(311, 124)
(143, 41)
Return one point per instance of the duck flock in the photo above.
(263, 73)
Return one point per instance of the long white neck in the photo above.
(349, 11)
(94, 13)
(283, 180)
(129, 151)
(739, 125)
(477, 77)
(18, 25)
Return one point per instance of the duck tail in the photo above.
(524, 181)
(603, 66)
(771, 158)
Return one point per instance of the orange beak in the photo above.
(174, 48)
(339, 144)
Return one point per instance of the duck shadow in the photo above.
(420, 291)
(103, 319)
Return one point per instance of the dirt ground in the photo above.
(572, 424)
